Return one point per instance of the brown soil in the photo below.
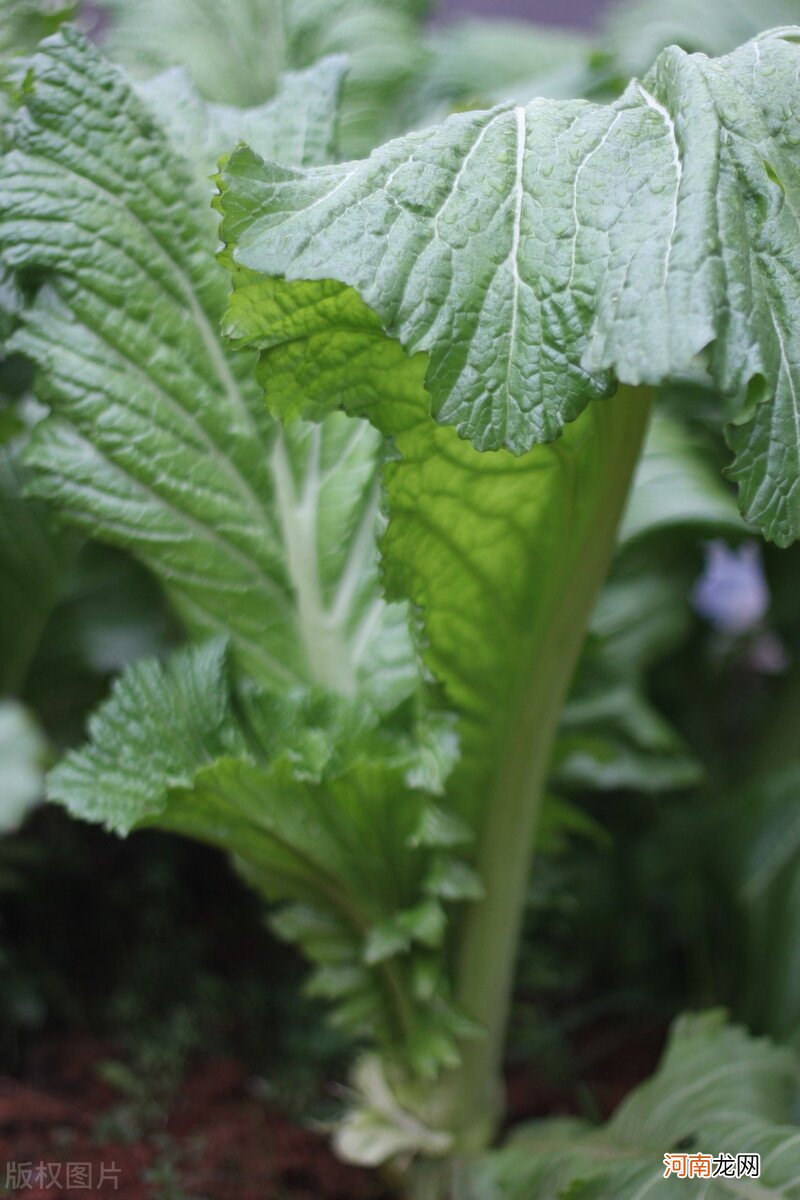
(218, 1142)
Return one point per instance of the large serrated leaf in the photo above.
(537, 253)
(158, 441)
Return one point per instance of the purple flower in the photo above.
(732, 593)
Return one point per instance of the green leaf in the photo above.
(709, 1068)
(298, 125)
(492, 60)
(593, 242)
(331, 832)
(777, 1146)
(637, 30)
(158, 441)
(159, 726)
(25, 22)
(471, 537)
(675, 487)
(383, 42)
(716, 1090)
(238, 59)
(33, 563)
(22, 760)
(233, 57)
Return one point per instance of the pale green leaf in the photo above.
(379, 1128)
(25, 22)
(717, 1090)
(22, 759)
(779, 1179)
(675, 487)
(480, 61)
(637, 30)
(383, 42)
(538, 253)
(236, 57)
(296, 126)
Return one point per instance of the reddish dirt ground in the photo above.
(218, 1142)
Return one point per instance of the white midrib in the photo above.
(513, 256)
(322, 630)
(666, 117)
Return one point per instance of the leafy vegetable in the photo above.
(264, 535)
(472, 320)
(299, 797)
(507, 333)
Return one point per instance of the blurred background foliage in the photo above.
(668, 865)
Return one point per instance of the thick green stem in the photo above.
(595, 489)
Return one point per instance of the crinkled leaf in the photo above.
(335, 834)
(160, 725)
(158, 441)
(539, 253)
